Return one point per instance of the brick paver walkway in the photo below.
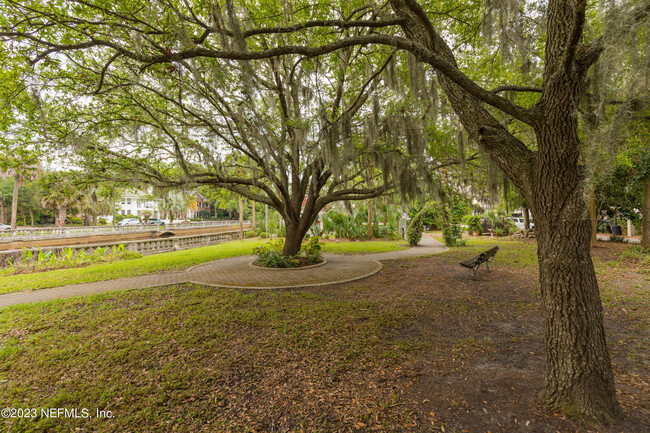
(237, 272)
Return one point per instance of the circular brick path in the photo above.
(235, 272)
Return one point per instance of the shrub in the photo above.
(270, 255)
(31, 261)
(619, 239)
(388, 231)
(312, 250)
(414, 232)
(347, 226)
(74, 220)
(250, 234)
(316, 230)
(474, 224)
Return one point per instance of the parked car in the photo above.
(156, 221)
(519, 222)
(129, 222)
(4, 227)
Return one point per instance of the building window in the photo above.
(128, 201)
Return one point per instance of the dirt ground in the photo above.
(485, 364)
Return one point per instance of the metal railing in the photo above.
(37, 233)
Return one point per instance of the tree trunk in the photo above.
(31, 216)
(61, 214)
(241, 218)
(370, 219)
(590, 192)
(295, 233)
(254, 216)
(579, 379)
(2, 211)
(14, 202)
(526, 219)
(645, 235)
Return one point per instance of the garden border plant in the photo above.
(270, 254)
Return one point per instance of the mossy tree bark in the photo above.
(645, 235)
(590, 192)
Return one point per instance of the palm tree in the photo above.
(23, 168)
(92, 204)
(59, 195)
(174, 203)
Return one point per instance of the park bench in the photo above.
(485, 257)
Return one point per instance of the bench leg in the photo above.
(488, 265)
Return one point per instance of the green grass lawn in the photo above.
(183, 354)
(511, 252)
(173, 261)
(364, 247)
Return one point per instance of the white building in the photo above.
(137, 202)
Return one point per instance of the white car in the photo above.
(4, 227)
(129, 222)
(519, 222)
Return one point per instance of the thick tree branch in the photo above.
(343, 24)
(514, 88)
(576, 33)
